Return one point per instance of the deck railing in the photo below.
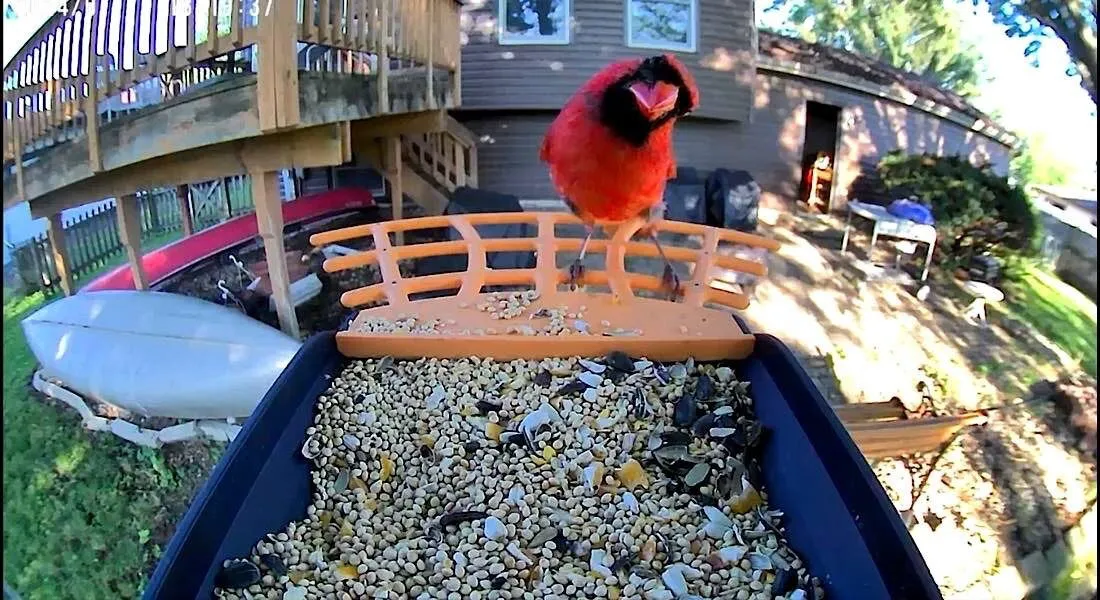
(94, 51)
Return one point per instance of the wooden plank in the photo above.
(908, 436)
(129, 227)
(870, 411)
(400, 124)
(269, 216)
(183, 196)
(286, 53)
(397, 189)
(212, 43)
(60, 252)
(384, 57)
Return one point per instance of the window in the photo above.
(661, 24)
(534, 21)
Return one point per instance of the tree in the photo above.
(919, 36)
(1033, 163)
(1072, 21)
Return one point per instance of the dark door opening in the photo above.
(818, 154)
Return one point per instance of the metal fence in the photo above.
(93, 240)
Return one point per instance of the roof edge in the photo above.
(896, 94)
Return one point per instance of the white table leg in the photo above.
(874, 238)
(847, 230)
(928, 260)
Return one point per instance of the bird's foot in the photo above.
(671, 282)
(576, 272)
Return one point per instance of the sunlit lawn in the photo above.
(83, 511)
(1059, 312)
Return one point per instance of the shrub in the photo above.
(976, 210)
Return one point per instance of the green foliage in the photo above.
(920, 36)
(1074, 23)
(1058, 311)
(976, 210)
(85, 514)
(1034, 164)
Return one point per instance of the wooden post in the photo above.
(183, 196)
(277, 79)
(397, 192)
(129, 229)
(384, 58)
(56, 234)
(269, 215)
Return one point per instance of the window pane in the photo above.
(534, 21)
(661, 23)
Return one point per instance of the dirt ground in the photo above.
(998, 492)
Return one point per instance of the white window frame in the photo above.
(693, 35)
(501, 32)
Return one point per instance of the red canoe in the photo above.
(173, 258)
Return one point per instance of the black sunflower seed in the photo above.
(703, 424)
(685, 411)
(461, 516)
(274, 563)
(620, 361)
(543, 378)
(485, 407)
(704, 388)
(573, 387)
(237, 575)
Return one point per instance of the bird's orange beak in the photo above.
(655, 100)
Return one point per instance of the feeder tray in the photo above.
(698, 325)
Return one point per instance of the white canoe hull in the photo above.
(159, 354)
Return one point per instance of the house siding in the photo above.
(528, 77)
(769, 146)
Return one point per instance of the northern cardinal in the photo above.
(610, 148)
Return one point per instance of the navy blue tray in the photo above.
(838, 517)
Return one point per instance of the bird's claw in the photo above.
(672, 285)
(576, 271)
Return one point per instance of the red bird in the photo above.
(610, 148)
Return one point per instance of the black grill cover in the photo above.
(465, 200)
(685, 197)
(733, 199)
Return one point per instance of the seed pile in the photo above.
(544, 321)
(474, 479)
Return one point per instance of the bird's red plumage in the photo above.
(606, 179)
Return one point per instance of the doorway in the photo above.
(818, 155)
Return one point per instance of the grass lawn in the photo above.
(85, 514)
(1059, 312)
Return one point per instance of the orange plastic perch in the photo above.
(699, 325)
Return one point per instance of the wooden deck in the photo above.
(216, 132)
(214, 88)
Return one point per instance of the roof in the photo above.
(1077, 204)
(829, 58)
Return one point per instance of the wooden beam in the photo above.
(428, 121)
(269, 216)
(397, 189)
(129, 229)
(56, 234)
(183, 195)
(312, 147)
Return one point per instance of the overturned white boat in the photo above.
(157, 355)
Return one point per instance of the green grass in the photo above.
(85, 513)
(1059, 312)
